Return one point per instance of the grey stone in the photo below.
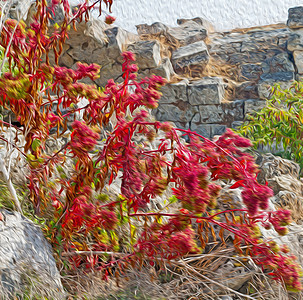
(250, 71)
(209, 90)
(253, 105)
(208, 130)
(190, 56)
(202, 129)
(197, 117)
(184, 112)
(182, 125)
(233, 111)
(24, 252)
(187, 33)
(295, 17)
(206, 24)
(211, 113)
(265, 88)
(298, 58)
(165, 69)
(246, 90)
(118, 39)
(217, 129)
(278, 63)
(66, 60)
(94, 42)
(153, 29)
(112, 70)
(236, 124)
(147, 53)
(174, 92)
(295, 41)
(278, 76)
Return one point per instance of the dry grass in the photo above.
(194, 277)
(167, 43)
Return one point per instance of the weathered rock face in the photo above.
(206, 91)
(26, 259)
(155, 28)
(204, 23)
(186, 58)
(282, 176)
(187, 33)
(147, 54)
(295, 17)
(199, 65)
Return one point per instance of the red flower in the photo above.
(110, 20)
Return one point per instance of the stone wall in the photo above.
(214, 79)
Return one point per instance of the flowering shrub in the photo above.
(84, 219)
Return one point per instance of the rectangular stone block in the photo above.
(298, 58)
(209, 90)
(208, 130)
(147, 54)
(174, 92)
(295, 17)
(169, 112)
(188, 57)
(253, 105)
(265, 88)
(295, 41)
(187, 33)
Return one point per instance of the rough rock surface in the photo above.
(187, 33)
(190, 56)
(282, 176)
(295, 17)
(25, 257)
(206, 91)
(147, 54)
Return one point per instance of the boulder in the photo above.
(282, 176)
(224, 113)
(188, 57)
(202, 129)
(253, 105)
(295, 17)
(96, 42)
(211, 114)
(250, 71)
(298, 58)
(206, 24)
(209, 90)
(295, 41)
(184, 112)
(174, 92)
(265, 88)
(165, 69)
(26, 260)
(153, 29)
(208, 130)
(147, 53)
(187, 33)
(278, 63)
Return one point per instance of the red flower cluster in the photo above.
(169, 241)
(279, 219)
(85, 215)
(255, 196)
(83, 139)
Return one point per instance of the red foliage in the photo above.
(81, 221)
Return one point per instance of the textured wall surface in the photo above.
(225, 14)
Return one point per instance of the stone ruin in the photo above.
(214, 78)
